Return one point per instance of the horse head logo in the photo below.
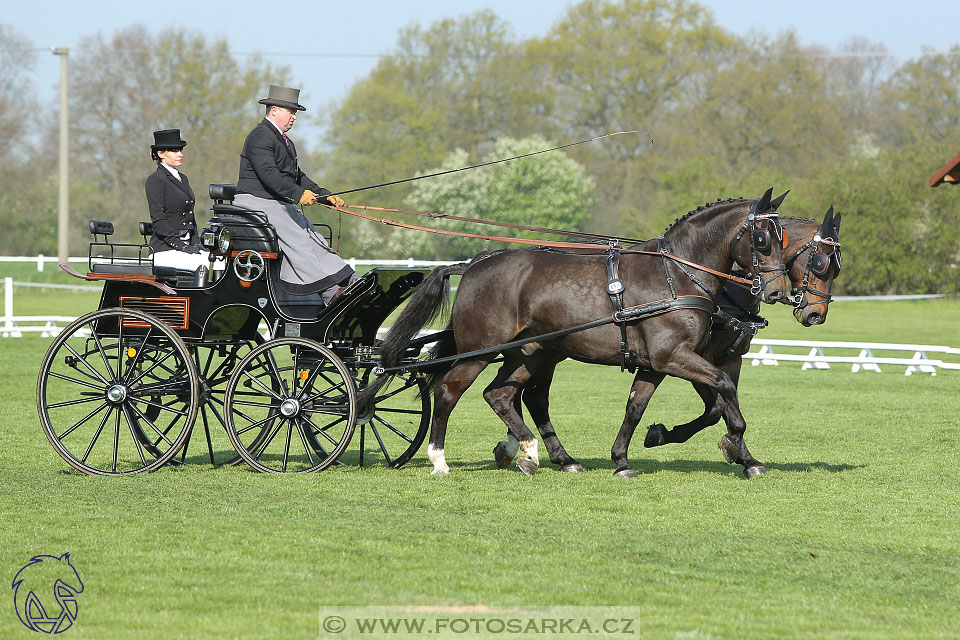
(45, 593)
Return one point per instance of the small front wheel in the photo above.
(290, 406)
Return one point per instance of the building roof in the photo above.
(950, 173)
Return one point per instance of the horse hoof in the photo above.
(573, 467)
(527, 465)
(440, 472)
(625, 473)
(656, 436)
(501, 455)
(758, 470)
(729, 450)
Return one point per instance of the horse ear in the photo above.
(763, 204)
(826, 227)
(775, 204)
(836, 225)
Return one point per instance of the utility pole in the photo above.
(63, 217)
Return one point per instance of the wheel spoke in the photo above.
(103, 422)
(82, 420)
(136, 358)
(306, 447)
(383, 448)
(103, 354)
(136, 440)
(82, 383)
(162, 407)
(323, 431)
(84, 362)
(67, 403)
(258, 423)
(392, 428)
(266, 443)
(162, 434)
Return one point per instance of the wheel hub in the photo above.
(290, 407)
(117, 393)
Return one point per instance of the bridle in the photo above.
(819, 264)
(761, 242)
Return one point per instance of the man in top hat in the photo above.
(271, 181)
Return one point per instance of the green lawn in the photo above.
(853, 534)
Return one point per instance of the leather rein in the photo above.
(613, 242)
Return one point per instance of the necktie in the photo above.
(286, 140)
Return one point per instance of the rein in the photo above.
(546, 243)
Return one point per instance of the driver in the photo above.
(271, 181)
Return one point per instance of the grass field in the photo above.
(853, 534)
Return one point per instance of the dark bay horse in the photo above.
(516, 294)
(813, 258)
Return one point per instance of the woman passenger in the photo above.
(175, 242)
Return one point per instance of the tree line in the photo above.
(720, 115)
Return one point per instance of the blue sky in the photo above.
(329, 45)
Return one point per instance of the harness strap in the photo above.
(628, 314)
(614, 289)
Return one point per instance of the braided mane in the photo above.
(702, 207)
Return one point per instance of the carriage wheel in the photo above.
(397, 425)
(290, 405)
(95, 389)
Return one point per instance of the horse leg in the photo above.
(536, 396)
(447, 393)
(732, 444)
(501, 394)
(658, 434)
(688, 365)
(644, 384)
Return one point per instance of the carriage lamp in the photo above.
(216, 239)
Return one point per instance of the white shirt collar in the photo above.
(176, 174)
(275, 126)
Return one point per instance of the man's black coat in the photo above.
(171, 210)
(269, 169)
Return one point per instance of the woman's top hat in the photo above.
(167, 139)
(284, 97)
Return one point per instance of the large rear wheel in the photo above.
(100, 381)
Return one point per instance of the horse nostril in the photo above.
(773, 296)
(814, 318)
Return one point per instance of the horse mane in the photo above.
(701, 208)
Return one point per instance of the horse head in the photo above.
(759, 244)
(816, 274)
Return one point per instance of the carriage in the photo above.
(121, 389)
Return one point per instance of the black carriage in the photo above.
(121, 389)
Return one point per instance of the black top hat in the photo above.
(284, 97)
(167, 139)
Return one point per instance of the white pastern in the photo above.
(439, 461)
(530, 449)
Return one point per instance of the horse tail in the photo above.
(430, 300)
(444, 347)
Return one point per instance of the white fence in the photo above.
(865, 360)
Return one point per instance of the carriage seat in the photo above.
(176, 277)
(249, 229)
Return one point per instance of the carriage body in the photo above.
(120, 388)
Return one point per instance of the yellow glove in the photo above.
(308, 198)
(336, 201)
